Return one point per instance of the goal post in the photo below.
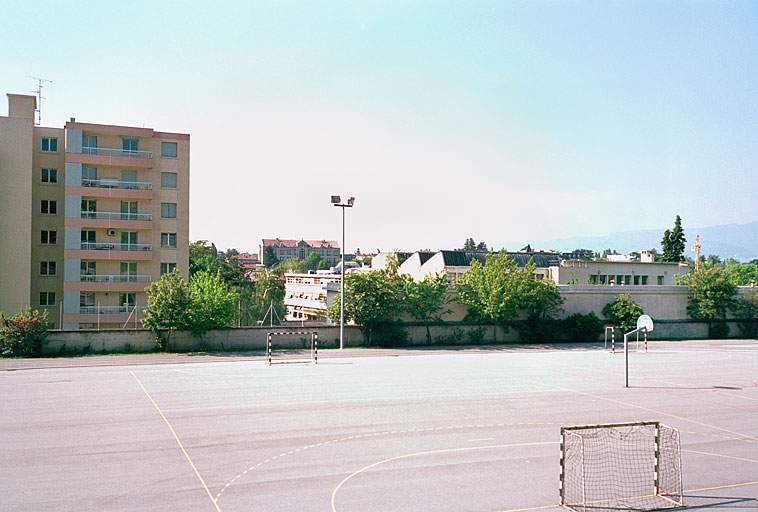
(308, 354)
(622, 466)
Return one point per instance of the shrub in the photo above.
(24, 334)
(623, 311)
(579, 327)
(718, 331)
(388, 334)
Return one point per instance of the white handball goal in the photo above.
(284, 353)
(622, 466)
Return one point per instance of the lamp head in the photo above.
(335, 199)
(350, 201)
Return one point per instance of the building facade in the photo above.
(307, 296)
(91, 215)
(329, 250)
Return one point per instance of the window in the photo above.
(86, 301)
(48, 207)
(128, 240)
(47, 298)
(644, 280)
(49, 176)
(168, 179)
(129, 146)
(89, 208)
(89, 176)
(660, 280)
(127, 301)
(129, 271)
(168, 149)
(167, 268)
(48, 237)
(128, 210)
(88, 270)
(47, 268)
(168, 210)
(50, 144)
(129, 176)
(168, 240)
(88, 239)
(89, 144)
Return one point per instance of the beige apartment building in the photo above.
(90, 215)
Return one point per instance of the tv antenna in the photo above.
(39, 96)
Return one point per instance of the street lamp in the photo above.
(337, 201)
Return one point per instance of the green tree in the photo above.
(168, 305)
(673, 243)
(711, 297)
(269, 257)
(742, 274)
(623, 311)
(747, 311)
(203, 257)
(24, 334)
(374, 301)
(213, 303)
(291, 265)
(425, 300)
(267, 302)
(312, 261)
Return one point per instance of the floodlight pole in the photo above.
(336, 201)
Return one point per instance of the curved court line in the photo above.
(178, 441)
(431, 452)
(371, 435)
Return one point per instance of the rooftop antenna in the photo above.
(38, 110)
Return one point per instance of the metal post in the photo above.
(342, 286)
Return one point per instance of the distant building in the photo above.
(456, 263)
(306, 296)
(248, 261)
(329, 250)
(617, 273)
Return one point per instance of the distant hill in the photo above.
(738, 241)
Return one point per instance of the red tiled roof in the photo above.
(267, 242)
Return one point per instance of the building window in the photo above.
(644, 280)
(168, 240)
(47, 268)
(126, 302)
(89, 176)
(168, 149)
(89, 144)
(168, 210)
(48, 237)
(129, 146)
(49, 176)
(88, 239)
(660, 280)
(167, 268)
(47, 298)
(89, 208)
(88, 270)
(86, 302)
(48, 207)
(50, 144)
(168, 179)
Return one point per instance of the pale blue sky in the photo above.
(498, 120)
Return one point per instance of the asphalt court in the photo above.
(472, 429)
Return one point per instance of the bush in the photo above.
(539, 330)
(623, 311)
(718, 331)
(579, 327)
(388, 334)
(24, 334)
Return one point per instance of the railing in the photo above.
(113, 183)
(117, 152)
(117, 216)
(115, 278)
(99, 246)
(103, 310)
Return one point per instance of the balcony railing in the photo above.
(114, 183)
(117, 152)
(117, 216)
(103, 310)
(99, 246)
(115, 278)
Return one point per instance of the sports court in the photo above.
(475, 429)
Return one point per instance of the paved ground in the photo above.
(363, 430)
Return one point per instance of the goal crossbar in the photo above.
(313, 352)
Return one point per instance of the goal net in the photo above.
(624, 466)
(292, 347)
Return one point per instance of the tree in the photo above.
(673, 243)
(267, 302)
(168, 304)
(269, 257)
(213, 303)
(291, 265)
(202, 256)
(24, 334)
(747, 311)
(490, 290)
(471, 246)
(711, 297)
(313, 261)
(425, 300)
(623, 311)
(374, 301)
(742, 274)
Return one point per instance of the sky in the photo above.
(495, 120)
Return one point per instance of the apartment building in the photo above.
(91, 215)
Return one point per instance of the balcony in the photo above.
(118, 216)
(125, 158)
(100, 246)
(111, 310)
(114, 183)
(115, 278)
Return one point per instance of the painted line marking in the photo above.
(178, 441)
